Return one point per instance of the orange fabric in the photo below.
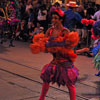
(70, 39)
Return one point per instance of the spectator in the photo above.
(63, 7)
(28, 5)
(42, 16)
(41, 30)
(23, 35)
(21, 10)
(37, 28)
(30, 19)
(80, 27)
(71, 16)
(90, 11)
(96, 16)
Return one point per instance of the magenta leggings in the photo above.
(45, 88)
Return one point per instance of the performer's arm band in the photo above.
(55, 44)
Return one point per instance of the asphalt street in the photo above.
(20, 75)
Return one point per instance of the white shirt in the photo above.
(41, 16)
(96, 16)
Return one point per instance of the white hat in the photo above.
(72, 4)
(41, 28)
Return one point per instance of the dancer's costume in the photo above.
(96, 60)
(9, 21)
(95, 30)
(61, 69)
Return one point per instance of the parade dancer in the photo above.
(95, 50)
(59, 41)
(13, 22)
(9, 23)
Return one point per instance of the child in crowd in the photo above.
(37, 28)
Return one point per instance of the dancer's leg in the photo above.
(72, 92)
(44, 91)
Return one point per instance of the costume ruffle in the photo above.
(87, 22)
(38, 45)
(64, 73)
(70, 40)
(9, 14)
(61, 69)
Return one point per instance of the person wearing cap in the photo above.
(72, 17)
(61, 69)
(41, 29)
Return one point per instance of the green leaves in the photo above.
(97, 61)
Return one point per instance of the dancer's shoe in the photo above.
(98, 74)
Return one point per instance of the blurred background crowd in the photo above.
(22, 19)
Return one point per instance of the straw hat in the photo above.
(72, 4)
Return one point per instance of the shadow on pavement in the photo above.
(96, 94)
(98, 87)
(3, 49)
(85, 77)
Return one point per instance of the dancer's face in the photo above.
(56, 20)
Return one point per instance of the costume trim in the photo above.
(70, 40)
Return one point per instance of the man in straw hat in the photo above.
(72, 17)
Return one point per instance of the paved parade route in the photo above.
(20, 75)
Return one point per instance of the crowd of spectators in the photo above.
(34, 16)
